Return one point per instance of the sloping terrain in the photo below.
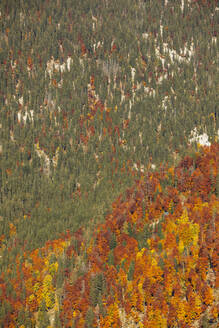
(153, 263)
(94, 96)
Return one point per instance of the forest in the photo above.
(109, 184)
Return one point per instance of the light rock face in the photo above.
(41, 153)
(54, 65)
(201, 139)
(23, 115)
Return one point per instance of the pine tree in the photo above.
(43, 318)
(131, 271)
(89, 320)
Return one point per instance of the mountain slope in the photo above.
(153, 263)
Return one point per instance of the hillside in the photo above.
(98, 101)
(152, 263)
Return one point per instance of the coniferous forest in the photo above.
(109, 156)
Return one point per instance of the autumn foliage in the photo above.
(153, 263)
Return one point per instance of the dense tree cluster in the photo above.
(94, 95)
(153, 263)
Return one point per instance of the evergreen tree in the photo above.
(131, 270)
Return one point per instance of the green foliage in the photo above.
(89, 320)
(217, 184)
(57, 322)
(131, 270)
(97, 288)
(112, 242)
(205, 322)
(43, 318)
(111, 259)
(68, 145)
